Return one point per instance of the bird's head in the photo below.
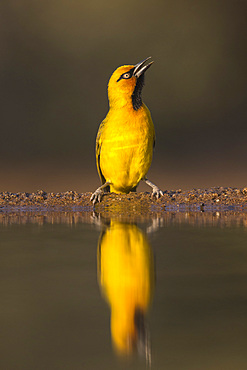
(126, 83)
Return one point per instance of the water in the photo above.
(81, 292)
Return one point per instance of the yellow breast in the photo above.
(126, 147)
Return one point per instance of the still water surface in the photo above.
(83, 292)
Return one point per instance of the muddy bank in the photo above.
(195, 199)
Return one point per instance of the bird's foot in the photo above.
(157, 193)
(97, 196)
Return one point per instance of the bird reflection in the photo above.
(126, 278)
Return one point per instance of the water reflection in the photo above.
(52, 313)
(126, 278)
(217, 219)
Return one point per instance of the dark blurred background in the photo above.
(55, 62)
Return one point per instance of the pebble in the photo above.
(220, 195)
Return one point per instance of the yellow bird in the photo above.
(125, 139)
(126, 277)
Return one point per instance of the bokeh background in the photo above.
(56, 58)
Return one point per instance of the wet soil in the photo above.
(136, 203)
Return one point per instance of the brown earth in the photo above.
(136, 203)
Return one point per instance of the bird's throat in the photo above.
(137, 93)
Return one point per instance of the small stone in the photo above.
(244, 191)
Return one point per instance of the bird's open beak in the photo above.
(141, 67)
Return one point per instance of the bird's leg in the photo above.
(156, 191)
(98, 194)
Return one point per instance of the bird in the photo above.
(126, 137)
(126, 276)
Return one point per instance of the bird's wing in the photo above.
(97, 150)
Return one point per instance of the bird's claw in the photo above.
(157, 193)
(97, 196)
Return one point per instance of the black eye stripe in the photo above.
(130, 72)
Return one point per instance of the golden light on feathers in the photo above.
(125, 139)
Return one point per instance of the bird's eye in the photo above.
(126, 75)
